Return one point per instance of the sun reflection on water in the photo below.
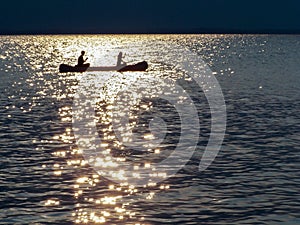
(99, 200)
(113, 205)
(47, 180)
(35, 60)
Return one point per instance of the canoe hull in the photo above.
(141, 66)
(105, 68)
(64, 68)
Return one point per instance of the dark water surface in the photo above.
(255, 179)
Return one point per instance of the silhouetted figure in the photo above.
(81, 61)
(120, 61)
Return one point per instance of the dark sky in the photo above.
(149, 16)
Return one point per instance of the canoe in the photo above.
(141, 66)
(105, 68)
(64, 68)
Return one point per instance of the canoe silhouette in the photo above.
(141, 66)
(64, 68)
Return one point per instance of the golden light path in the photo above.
(98, 200)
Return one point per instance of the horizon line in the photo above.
(158, 31)
(152, 33)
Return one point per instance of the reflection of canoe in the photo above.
(63, 68)
(141, 66)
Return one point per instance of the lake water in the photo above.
(45, 177)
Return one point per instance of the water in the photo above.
(253, 180)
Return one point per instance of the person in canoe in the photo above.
(81, 61)
(120, 61)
